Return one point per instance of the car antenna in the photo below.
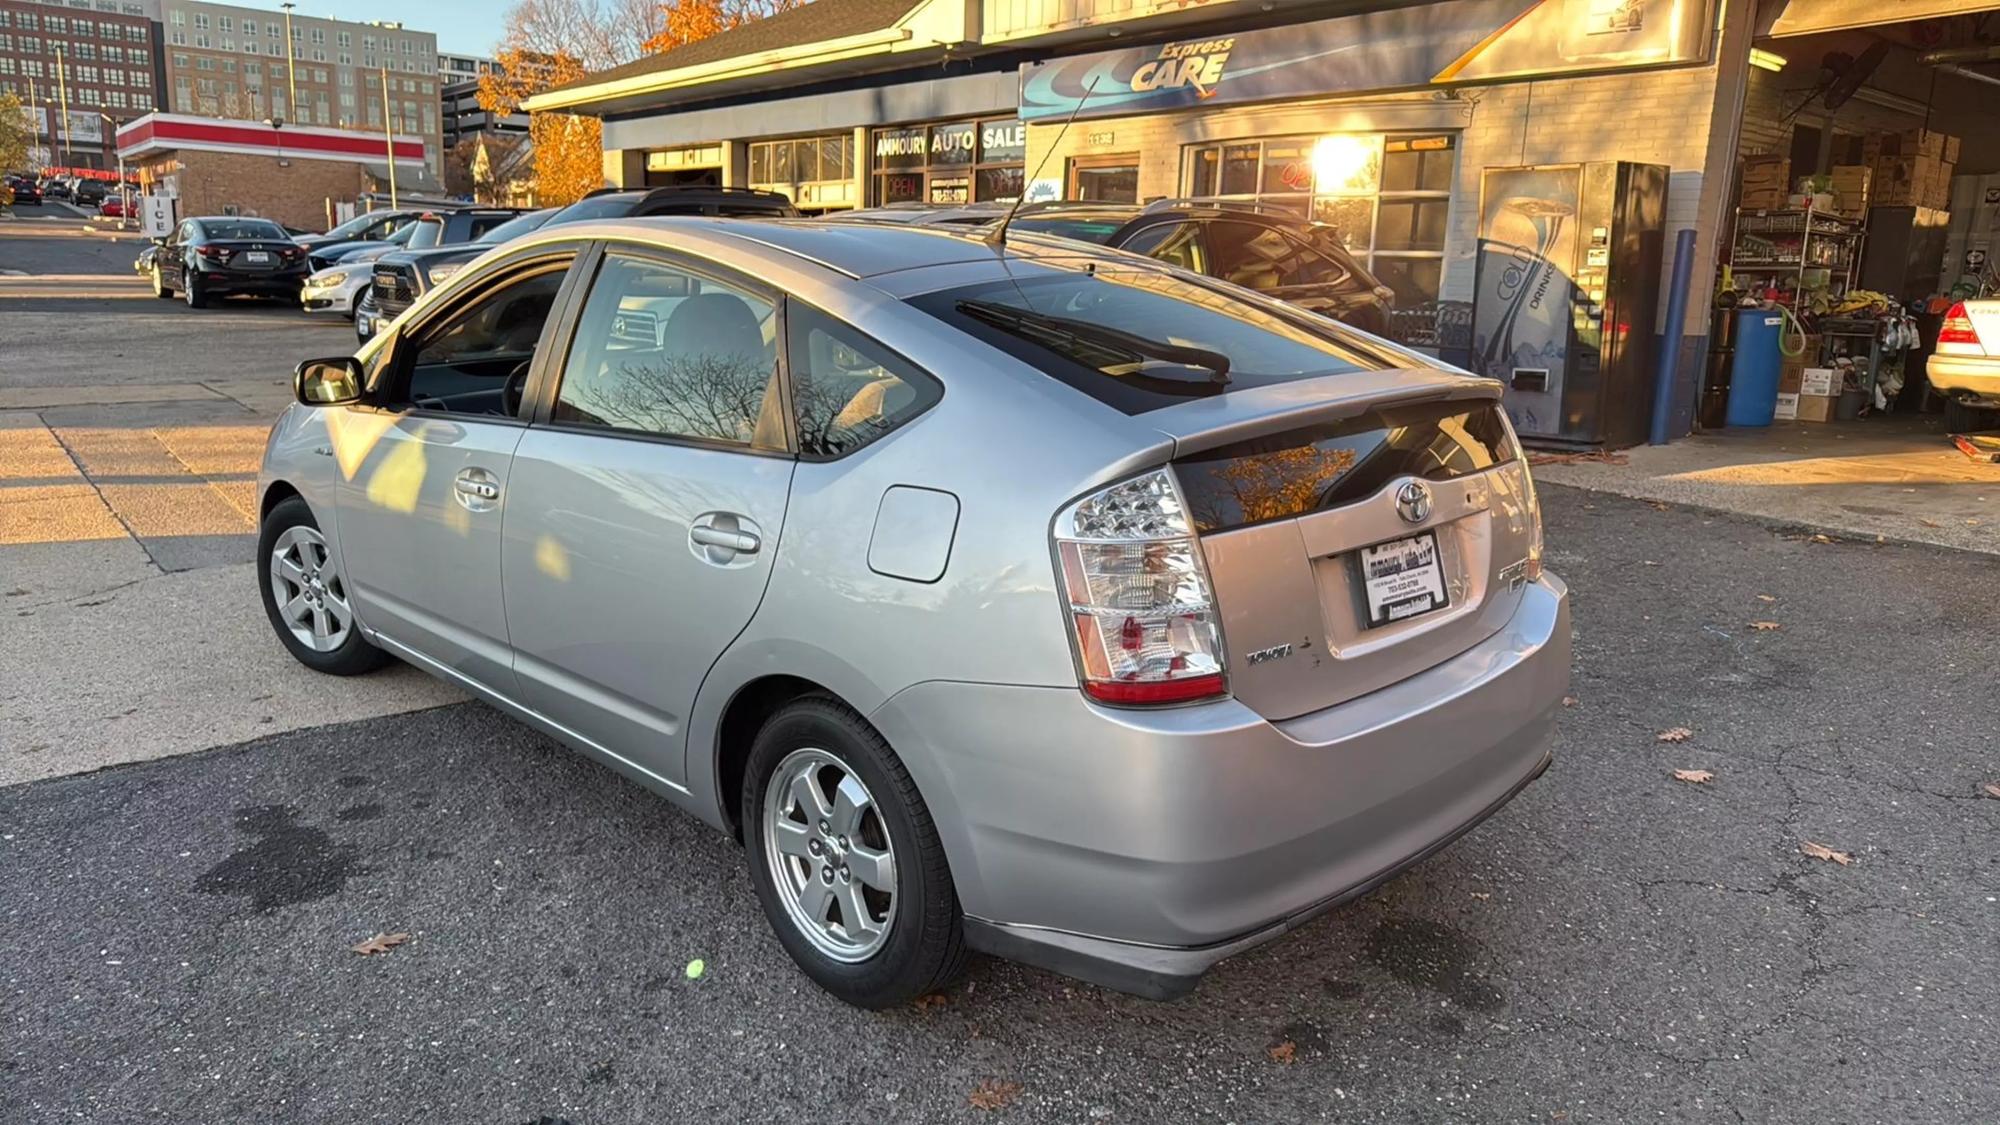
(997, 237)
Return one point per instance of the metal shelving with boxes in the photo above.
(1815, 248)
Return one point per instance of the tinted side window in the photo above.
(663, 351)
(847, 390)
(1177, 244)
(484, 223)
(1259, 257)
(465, 362)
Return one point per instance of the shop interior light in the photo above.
(1767, 60)
(1338, 159)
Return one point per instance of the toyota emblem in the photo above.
(1413, 501)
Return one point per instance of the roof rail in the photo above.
(1224, 203)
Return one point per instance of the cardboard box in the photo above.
(1850, 187)
(1788, 406)
(1904, 181)
(1764, 199)
(1816, 408)
(1764, 171)
(1916, 142)
(1820, 381)
(1789, 379)
(1950, 150)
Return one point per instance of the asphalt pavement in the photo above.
(1614, 946)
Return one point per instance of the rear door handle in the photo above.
(742, 542)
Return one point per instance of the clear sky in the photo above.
(463, 27)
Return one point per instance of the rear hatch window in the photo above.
(1284, 475)
(1140, 340)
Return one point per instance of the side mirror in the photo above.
(328, 382)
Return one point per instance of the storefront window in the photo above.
(955, 162)
(816, 172)
(1389, 197)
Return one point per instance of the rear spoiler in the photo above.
(1206, 423)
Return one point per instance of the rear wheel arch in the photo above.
(745, 714)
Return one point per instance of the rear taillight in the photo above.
(1531, 567)
(1957, 327)
(213, 253)
(1138, 595)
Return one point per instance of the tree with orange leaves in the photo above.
(550, 43)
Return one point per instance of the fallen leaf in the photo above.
(1820, 538)
(1283, 1053)
(1766, 598)
(931, 1000)
(993, 1094)
(1569, 701)
(1482, 895)
(1992, 790)
(1675, 734)
(1821, 851)
(1928, 523)
(1765, 626)
(380, 943)
(1658, 506)
(1694, 777)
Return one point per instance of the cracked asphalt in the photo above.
(1615, 946)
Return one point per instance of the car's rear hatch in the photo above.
(1289, 485)
(253, 256)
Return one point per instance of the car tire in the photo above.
(160, 289)
(291, 536)
(1960, 418)
(882, 823)
(191, 290)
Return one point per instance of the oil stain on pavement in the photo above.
(288, 864)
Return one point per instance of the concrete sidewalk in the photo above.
(1898, 477)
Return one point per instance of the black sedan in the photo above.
(223, 256)
(25, 189)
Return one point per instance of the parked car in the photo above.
(25, 189)
(89, 193)
(369, 226)
(399, 281)
(414, 271)
(1268, 249)
(224, 256)
(113, 207)
(56, 187)
(143, 264)
(1965, 366)
(1039, 600)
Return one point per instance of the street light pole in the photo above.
(124, 200)
(62, 87)
(291, 62)
(389, 135)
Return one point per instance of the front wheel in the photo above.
(306, 597)
(846, 860)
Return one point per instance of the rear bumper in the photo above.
(286, 283)
(1965, 376)
(1136, 849)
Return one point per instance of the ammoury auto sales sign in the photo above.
(1462, 41)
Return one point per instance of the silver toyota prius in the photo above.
(1039, 599)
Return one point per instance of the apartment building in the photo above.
(99, 55)
(249, 63)
(453, 69)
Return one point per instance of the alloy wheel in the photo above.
(310, 594)
(829, 853)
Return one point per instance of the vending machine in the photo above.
(1566, 295)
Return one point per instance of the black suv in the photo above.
(402, 277)
(1269, 249)
(432, 229)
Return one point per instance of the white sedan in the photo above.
(338, 288)
(1965, 368)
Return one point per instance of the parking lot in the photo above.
(194, 832)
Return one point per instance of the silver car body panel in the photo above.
(1128, 830)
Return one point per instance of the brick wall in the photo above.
(294, 194)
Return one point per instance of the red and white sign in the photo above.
(173, 132)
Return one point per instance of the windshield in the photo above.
(403, 234)
(616, 205)
(1139, 340)
(1098, 230)
(425, 233)
(516, 227)
(354, 226)
(241, 228)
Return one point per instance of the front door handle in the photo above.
(476, 490)
(741, 542)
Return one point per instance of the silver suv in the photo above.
(1041, 600)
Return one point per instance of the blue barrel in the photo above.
(1753, 377)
